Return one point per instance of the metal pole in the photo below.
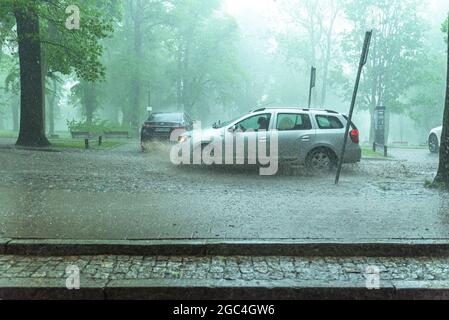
(363, 60)
(312, 84)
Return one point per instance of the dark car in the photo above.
(160, 126)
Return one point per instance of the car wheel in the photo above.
(433, 144)
(321, 160)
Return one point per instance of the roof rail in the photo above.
(258, 110)
(295, 108)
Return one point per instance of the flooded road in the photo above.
(124, 194)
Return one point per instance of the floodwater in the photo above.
(124, 194)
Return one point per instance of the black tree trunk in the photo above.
(15, 115)
(443, 170)
(32, 102)
(136, 82)
(51, 109)
(89, 100)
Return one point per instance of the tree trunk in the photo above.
(372, 129)
(2, 123)
(32, 102)
(136, 82)
(89, 101)
(15, 115)
(51, 109)
(443, 170)
(53, 36)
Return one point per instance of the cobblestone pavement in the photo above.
(225, 268)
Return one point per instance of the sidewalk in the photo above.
(237, 277)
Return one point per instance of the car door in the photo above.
(296, 135)
(248, 133)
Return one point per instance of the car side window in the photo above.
(329, 122)
(293, 122)
(260, 122)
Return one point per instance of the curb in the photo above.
(3, 243)
(273, 290)
(315, 248)
(49, 289)
(217, 290)
(379, 159)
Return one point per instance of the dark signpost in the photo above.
(379, 125)
(380, 122)
(312, 84)
(363, 60)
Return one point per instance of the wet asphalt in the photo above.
(124, 194)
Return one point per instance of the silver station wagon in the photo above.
(305, 136)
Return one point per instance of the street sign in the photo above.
(380, 125)
(363, 60)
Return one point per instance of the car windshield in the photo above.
(219, 124)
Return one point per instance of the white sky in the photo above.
(439, 8)
(259, 7)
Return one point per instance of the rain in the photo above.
(224, 123)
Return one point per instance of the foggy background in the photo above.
(219, 59)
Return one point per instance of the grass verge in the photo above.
(79, 144)
(369, 153)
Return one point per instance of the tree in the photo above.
(87, 94)
(32, 122)
(11, 88)
(443, 169)
(396, 49)
(53, 99)
(181, 53)
(72, 50)
(425, 98)
(204, 48)
(310, 38)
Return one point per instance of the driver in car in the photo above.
(263, 124)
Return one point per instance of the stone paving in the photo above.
(224, 268)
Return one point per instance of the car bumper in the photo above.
(353, 155)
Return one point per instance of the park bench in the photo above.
(87, 136)
(81, 135)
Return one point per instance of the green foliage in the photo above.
(79, 144)
(65, 50)
(397, 48)
(183, 52)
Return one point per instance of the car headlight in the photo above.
(182, 139)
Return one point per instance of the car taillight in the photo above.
(354, 134)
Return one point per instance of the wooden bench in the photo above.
(82, 135)
(87, 136)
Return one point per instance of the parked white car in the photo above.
(435, 139)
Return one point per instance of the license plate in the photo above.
(163, 130)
